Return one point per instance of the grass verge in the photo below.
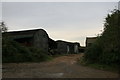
(112, 68)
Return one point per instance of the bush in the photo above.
(106, 49)
(92, 53)
(15, 52)
(39, 55)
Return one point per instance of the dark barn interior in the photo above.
(27, 41)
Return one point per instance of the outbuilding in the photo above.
(67, 47)
(37, 38)
(90, 41)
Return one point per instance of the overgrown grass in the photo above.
(100, 66)
(112, 68)
(15, 52)
(39, 55)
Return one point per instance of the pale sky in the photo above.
(69, 21)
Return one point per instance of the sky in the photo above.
(69, 21)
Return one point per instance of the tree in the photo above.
(3, 27)
(106, 49)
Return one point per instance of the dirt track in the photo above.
(60, 67)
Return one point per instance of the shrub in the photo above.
(15, 52)
(93, 52)
(106, 49)
(39, 55)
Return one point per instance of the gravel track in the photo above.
(59, 67)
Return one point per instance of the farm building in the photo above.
(67, 47)
(82, 49)
(90, 41)
(37, 38)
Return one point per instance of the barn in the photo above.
(90, 41)
(67, 47)
(37, 38)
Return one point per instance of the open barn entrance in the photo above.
(27, 41)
